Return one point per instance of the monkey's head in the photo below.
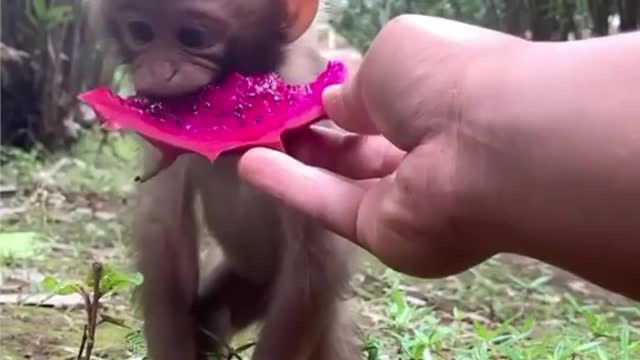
(177, 46)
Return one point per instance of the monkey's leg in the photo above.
(166, 236)
(305, 297)
(339, 340)
(228, 303)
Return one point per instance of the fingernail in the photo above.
(331, 91)
(331, 98)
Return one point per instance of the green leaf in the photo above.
(54, 286)
(457, 314)
(588, 346)
(482, 331)
(540, 281)
(114, 280)
(59, 14)
(521, 283)
(372, 348)
(19, 244)
(136, 343)
(68, 288)
(49, 283)
(39, 9)
(528, 323)
(624, 343)
(601, 354)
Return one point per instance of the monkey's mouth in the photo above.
(238, 112)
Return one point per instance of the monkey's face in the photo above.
(173, 47)
(177, 46)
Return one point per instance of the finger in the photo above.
(345, 106)
(326, 197)
(350, 155)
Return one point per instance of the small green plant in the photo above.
(136, 343)
(372, 347)
(102, 281)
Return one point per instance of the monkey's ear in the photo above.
(300, 15)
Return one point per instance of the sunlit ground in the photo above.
(59, 214)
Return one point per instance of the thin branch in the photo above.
(82, 343)
(97, 276)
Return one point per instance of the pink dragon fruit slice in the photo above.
(240, 112)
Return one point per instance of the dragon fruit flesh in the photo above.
(239, 112)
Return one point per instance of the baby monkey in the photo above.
(279, 267)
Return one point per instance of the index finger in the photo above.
(347, 154)
(345, 106)
(322, 195)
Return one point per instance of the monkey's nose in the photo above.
(154, 79)
(164, 70)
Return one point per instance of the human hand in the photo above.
(467, 142)
(403, 185)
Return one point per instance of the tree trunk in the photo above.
(513, 18)
(629, 14)
(18, 111)
(492, 18)
(567, 21)
(600, 11)
(543, 23)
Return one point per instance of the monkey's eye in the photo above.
(140, 31)
(192, 37)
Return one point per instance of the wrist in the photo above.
(514, 118)
(557, 150)
(490, 132)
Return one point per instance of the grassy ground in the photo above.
(58, 214)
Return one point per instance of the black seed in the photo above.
(156, 108)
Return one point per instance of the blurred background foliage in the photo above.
(544, 20)
(48, 55)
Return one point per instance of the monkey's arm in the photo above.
(165, 235)
(304, 318)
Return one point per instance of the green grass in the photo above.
(507, 308)
(488, 313)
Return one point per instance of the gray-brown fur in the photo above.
(278, 265)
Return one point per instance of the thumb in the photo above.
(345, 106)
